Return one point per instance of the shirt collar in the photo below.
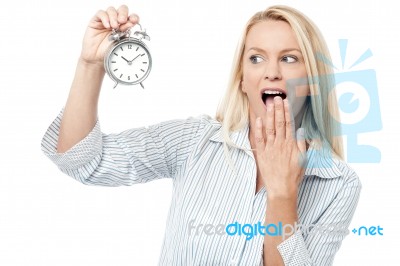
(318, 163)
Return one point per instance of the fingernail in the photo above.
(107, 24)
(135, 17)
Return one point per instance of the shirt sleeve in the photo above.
(318, 244)
(133, 156)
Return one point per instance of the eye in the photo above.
(290, 59)
(255, 59)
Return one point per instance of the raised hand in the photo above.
(281, 156)
(95, 41)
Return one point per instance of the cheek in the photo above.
(302, 90)
(297, 105)
(297, 88)
(251, 77)
(297, 98)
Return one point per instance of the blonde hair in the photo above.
(321, 117)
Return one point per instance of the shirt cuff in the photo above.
(77, 156)
(294, 251)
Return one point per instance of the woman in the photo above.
(272, 156)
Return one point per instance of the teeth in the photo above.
(272, 92)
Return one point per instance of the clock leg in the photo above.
(115, 85)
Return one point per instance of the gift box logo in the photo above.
(358, 101)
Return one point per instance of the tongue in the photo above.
(269, 100)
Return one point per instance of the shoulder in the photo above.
(209, 121)
(321, 163)
(207, 124)
(330, 176)
(190, 123)
(199, 129)
(348, 174)
(329, 191)
(200, 120)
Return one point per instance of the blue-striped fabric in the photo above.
(207, 191)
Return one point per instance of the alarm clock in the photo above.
(128, 60)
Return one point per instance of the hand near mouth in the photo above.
(281, 156)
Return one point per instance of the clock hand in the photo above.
(125, 59)
(134, 58)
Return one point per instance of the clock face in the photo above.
(129, 62)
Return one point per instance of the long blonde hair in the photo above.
(321, 117)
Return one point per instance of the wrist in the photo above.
(282, 197)
(91, 65)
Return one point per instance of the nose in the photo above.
(272, 71)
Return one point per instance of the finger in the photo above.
(112, 15)
(270, 125)
(290, 128)
(279, 118)
(102, 17)
(122, 14)
(133, 19)
(259, 138)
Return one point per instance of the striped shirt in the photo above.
(208, 195)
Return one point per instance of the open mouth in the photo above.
(268, 96)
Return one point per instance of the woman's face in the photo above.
(271, 58)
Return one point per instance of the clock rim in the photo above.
(116, 45)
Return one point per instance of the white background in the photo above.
(47, 218)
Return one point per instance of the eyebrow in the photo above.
(284, 50)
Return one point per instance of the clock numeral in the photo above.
(113, 62)
(129, 77)
(121, 76)
(115, 69)
(144, 62)
(116, 54)
(142, 54)
(137, 48)
(129, 46)
(122, 48)
(136, 76)
(142, 70)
